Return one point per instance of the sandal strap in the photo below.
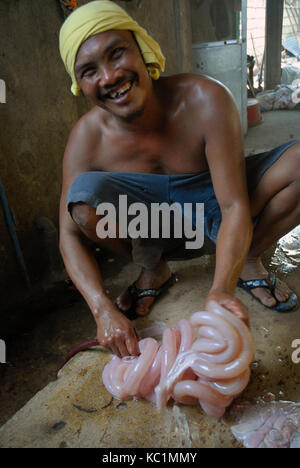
(272, 280)
(137, 293)
(268, 283)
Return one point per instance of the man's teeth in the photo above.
(121, 91)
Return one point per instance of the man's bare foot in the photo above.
(148, 279)
(254, 270)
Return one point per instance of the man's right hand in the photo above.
(116, 333)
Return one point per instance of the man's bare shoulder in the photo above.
(83, 141)
(87, 131)
(199, 89)
(208, 103)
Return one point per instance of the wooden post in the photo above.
(183, 25)
(274, 20)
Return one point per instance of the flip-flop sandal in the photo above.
(137, 293)
(269, 284)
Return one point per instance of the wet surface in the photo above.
(36, 346)
(286, 258)
(269, 425)
(35, 352)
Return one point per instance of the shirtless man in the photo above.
(183, 124)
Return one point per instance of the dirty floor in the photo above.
(76, 411)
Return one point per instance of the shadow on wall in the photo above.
(36, 120)
(37, 112)
(221, 20)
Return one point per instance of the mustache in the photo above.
(109, 88)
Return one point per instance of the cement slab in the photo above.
(77, 411)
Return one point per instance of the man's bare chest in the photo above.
(174, 153)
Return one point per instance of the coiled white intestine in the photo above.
(210, 370)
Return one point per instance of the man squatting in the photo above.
(164, 139)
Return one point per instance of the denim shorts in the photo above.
(94, 188)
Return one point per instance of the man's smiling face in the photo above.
(112, 73)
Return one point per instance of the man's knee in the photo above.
(295, 171)
(294, 162)
(287, 170)
(83, 215)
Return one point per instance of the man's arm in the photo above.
(114, 330)
(225, 156)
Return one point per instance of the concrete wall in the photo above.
(40, 112)
(35, 123)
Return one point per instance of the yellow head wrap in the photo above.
(99, 16)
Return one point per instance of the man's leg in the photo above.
(92, 188)
(86, 219)
(276, 200)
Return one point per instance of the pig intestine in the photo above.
(210, 370)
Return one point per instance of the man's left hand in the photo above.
(229, 302)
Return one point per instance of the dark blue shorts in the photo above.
(94, 188)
